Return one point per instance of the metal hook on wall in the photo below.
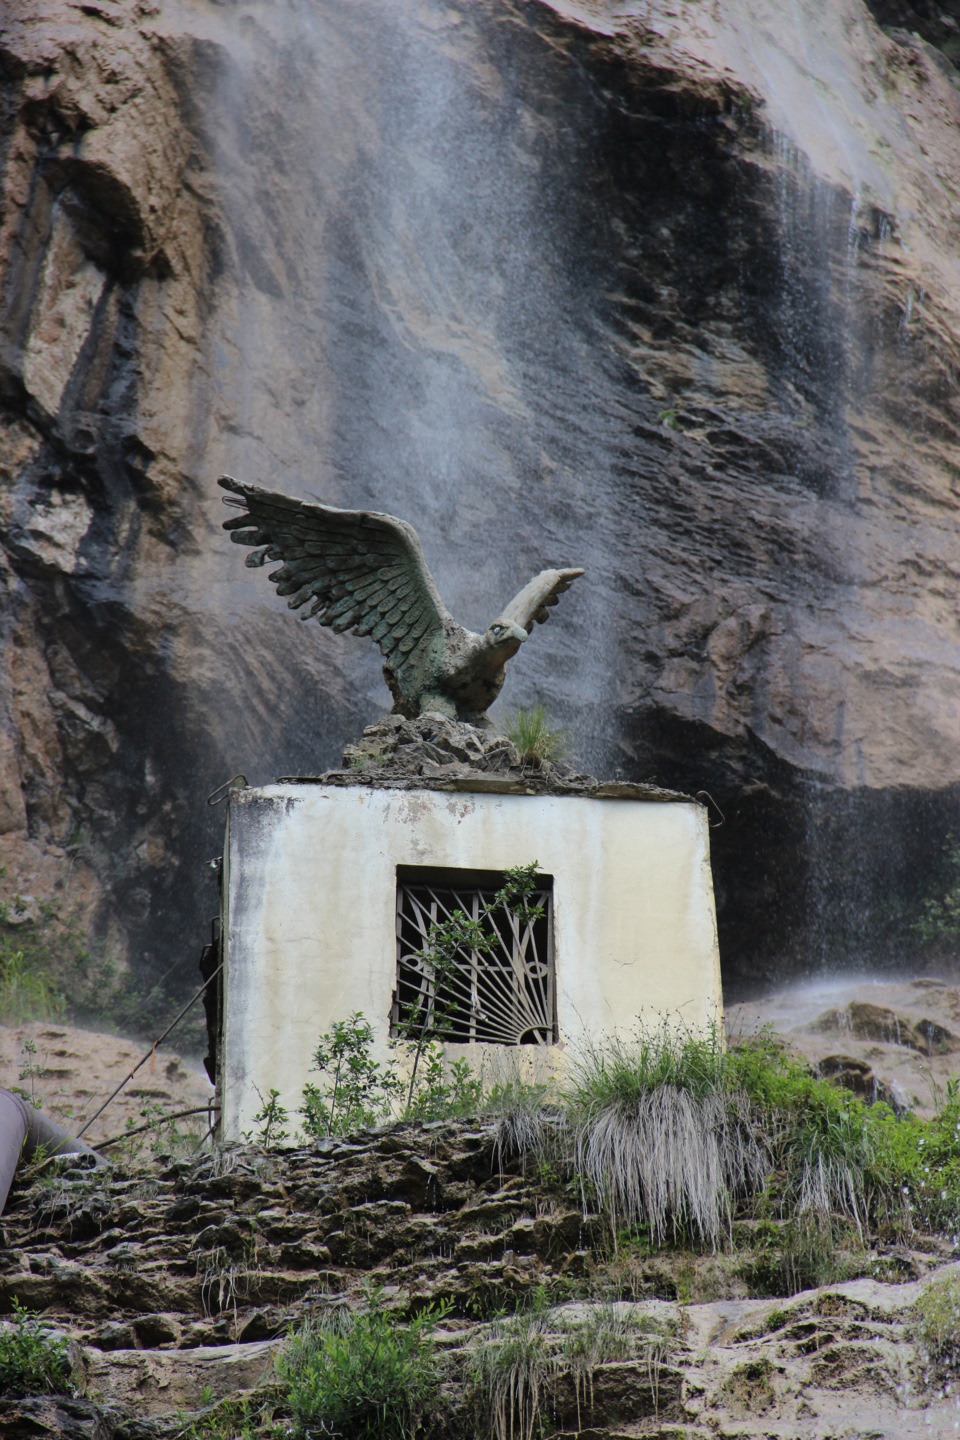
(236, 782)
(715, 825)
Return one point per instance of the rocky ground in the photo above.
(178, 1286)
(177, 1276)
(892, 1039)
(72, 1071)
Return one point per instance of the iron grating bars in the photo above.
(503, 994)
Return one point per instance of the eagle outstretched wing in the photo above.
(535, 599)
(356, 570)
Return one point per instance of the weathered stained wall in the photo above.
(310, 919)
(667, 291)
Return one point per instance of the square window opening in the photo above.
(497, 986)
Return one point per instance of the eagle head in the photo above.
(503, 639)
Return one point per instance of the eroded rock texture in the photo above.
(177, 1287)
(667, 291)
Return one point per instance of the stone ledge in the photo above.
(433, 752)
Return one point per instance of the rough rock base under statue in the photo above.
(435, 752)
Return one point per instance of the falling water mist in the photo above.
(572, 292)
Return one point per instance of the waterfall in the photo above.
(666, 295)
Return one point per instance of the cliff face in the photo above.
(671, 293)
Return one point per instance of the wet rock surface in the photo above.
(558, 285)
(895, 1040)
(179, 1284)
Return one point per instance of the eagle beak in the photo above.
(510, 641)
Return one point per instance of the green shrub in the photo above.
(922, 1158)
(46, 962)
(939, 919)
(535, 737)
(827, 1145)
(363, 1375)
(26, 992)
(31, 1361)
(443, 1090)
(835, 1154)
(271, 1121)
(358, 1091)
(937, 1322)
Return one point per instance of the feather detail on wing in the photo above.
(535, 599)
(355, 570)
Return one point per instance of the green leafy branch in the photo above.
(447, 943)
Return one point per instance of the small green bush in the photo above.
(357, 1091)
(26, 992)
(826, 1141)
(534, 736)
(443, 1090)
(31, 1361)
(363, 1375)
(937, 1322)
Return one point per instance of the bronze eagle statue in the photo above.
(361, 571)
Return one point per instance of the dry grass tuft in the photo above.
(671, 1157)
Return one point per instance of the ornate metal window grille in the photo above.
(501, 996)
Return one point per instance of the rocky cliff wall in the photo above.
(670, 293)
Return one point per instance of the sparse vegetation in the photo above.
(535, 737)
(511, 1372)
(32, 1362)
(30, 1069)
(444, 1090)
(365, 758)
(157, 1130)
(46, 961)
(357, 1091)
(674, 1134)
(230, 1419)
(937, 1325)
(519, 1369)
(362, 1374)
(26, 993)
(939, 919)
(271, 1121)
(227, 1277)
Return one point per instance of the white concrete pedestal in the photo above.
(309, 922)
